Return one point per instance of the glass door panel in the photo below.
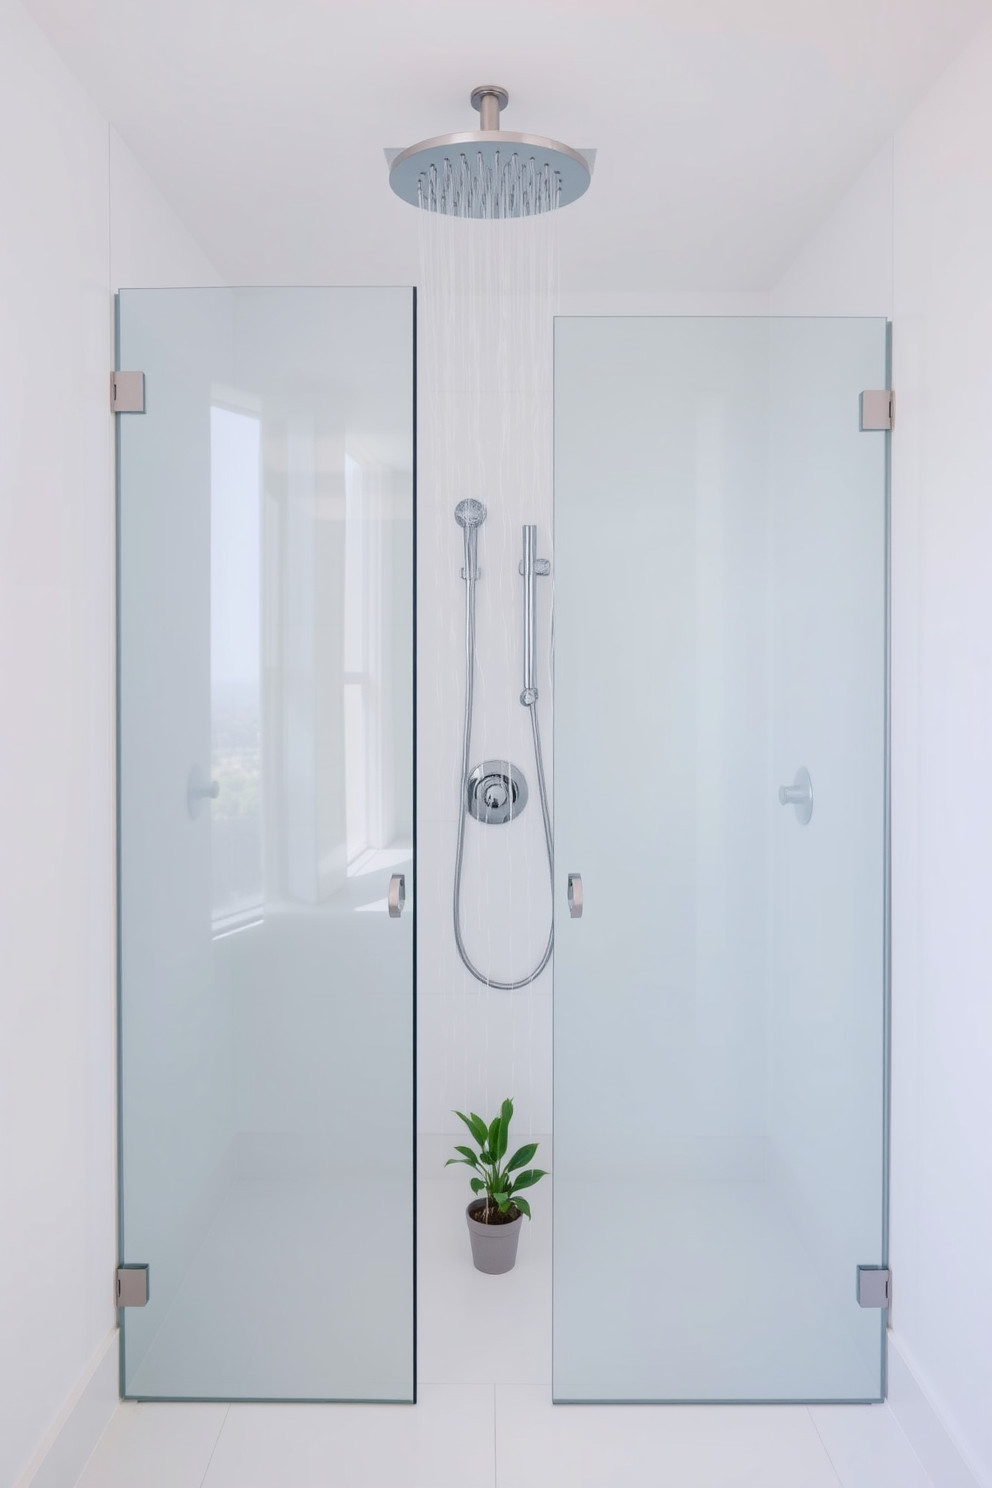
(265, 759)
(720, 1006)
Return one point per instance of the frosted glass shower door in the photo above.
(720, 1005)
(265, 799)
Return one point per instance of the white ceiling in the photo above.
(726, 129)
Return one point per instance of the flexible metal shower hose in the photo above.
(542, 790)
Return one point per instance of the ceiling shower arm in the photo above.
(489, 99)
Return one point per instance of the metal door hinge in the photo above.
(132, 1286)
(127, 392)
(877, 409)
(874, 1286)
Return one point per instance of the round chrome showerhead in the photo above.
(470, 513)
(489, 173)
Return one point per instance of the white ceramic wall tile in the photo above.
(505, 903)
(156, 1446)
(867, 1447)
(472, 1327)
(475, 1049)
(539, 1445)
(445, 1441)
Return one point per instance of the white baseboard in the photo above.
(922, 1423)
(72, 1440)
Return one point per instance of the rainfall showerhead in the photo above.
(470, 513)
(489, 173)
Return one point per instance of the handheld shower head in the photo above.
(470, 513)
(470, 516)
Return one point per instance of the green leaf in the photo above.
(476, 1185)
(528, 1178)
(464, 1160)
(521, 1157)
(504, 1127)
(494, 1137)
(522, 1205)
(476, 1126)
(467, 1153)
(503, 1200)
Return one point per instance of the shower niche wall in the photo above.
(721, 1003)
(266, 819)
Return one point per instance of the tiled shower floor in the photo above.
(485, 1419)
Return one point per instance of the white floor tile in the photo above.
(445, 1441)
(476, 1328)
(540, 1445)
(155, 1446)
(867, 1447)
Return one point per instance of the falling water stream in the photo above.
(486, 304)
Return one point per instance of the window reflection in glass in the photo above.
(235, 667)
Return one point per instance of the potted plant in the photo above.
(494, 1219)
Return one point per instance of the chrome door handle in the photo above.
(396, 897)
(799, 794)
(575, 895)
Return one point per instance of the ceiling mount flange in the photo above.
(489, 99)
(489, 90)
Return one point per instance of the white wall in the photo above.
(149, 246)
(63, 177)
(846, 267)
(56, 745)
(942, 719)
(913, 239)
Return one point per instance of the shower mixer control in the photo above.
(495, 792)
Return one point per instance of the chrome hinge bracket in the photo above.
(127, 392)
(132, 1286)
(878, 408)
(874, 1286)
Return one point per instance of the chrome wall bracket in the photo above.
(877, 409)
(132, 1286)
(874, 1286)
(127, 392)
(396, 897)
(575, 895)
(495, 792)
(800, 795)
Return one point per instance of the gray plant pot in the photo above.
(494, 1246)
